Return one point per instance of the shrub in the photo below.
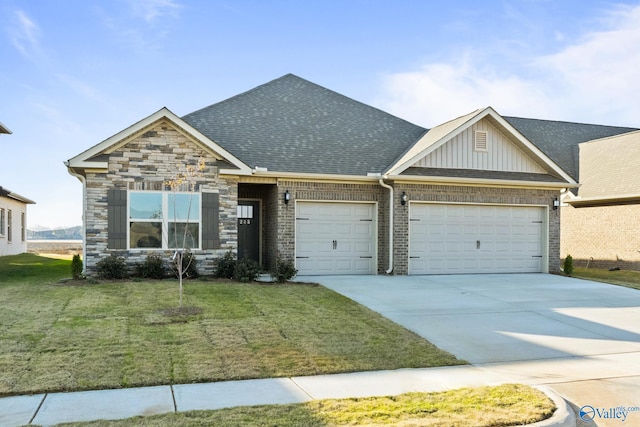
(76, 267)
(568, 265)
(285, 270)
(112, 267)
(247, 270)
(189, 267)
(152, 268)
(225, 266)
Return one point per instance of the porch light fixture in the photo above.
(556, 203)
(403, 198)
(287, 197)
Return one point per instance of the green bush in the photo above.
(285, 270)
(225, 266)
(152, 268)
(112, 267)
(568, 265)
(189, 267)
(76, 267)
(247, 270)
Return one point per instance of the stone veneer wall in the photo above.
(146, 162)
(468, 194)
(329, 191)
(602, 236)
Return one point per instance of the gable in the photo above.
(450, 147)
(497, 153)
(157, 125)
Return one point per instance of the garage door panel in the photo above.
(335, 238)
(445, 239)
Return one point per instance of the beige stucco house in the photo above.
(295, 170)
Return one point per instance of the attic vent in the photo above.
(480, 141)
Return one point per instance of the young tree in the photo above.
(179, 235)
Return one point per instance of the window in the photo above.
(164, 220)
(1, 221)
(9, 226)
(23, 227)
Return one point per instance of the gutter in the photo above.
(390, 188)
(83, 180)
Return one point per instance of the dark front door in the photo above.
(249, 229)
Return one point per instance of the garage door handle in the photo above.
(335, 244)
(369, 257)
(302, 257)
(477, 244)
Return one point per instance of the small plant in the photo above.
(285, 270)
(247, 270)
(112, 267)
(225, 266)
(568, 265)
(189, 268)
(152, 268)
(76, 267)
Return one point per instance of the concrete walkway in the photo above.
(575, 338)
(54, 408)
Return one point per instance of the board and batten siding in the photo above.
(502, 154)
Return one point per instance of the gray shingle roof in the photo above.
(481, 174)
(293, 125)
(559, 140)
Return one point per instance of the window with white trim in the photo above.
(9, 226)
(164, 220)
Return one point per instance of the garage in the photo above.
(335, 238)
(465, 238)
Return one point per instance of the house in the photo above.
(600, 222)
(13, 222)
(294, 170)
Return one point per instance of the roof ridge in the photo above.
(570, 122)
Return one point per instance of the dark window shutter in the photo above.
(210, 221)
(117, 219)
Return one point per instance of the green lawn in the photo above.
(628, 278)
(81, 336)
(508, 404)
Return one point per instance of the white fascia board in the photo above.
(477, 182)
(603, 199)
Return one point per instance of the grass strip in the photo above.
(505, 405)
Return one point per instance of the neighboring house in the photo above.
(13, 222)
(601, 223)
(297, 171)
(599, 220)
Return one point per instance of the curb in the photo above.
(563, 416)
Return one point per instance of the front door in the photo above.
(249, 229)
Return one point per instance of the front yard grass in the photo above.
(627, 278)
(83, 335)
(503, 405)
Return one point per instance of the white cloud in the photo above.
(594, 79)
(151, 10)
(25, 34)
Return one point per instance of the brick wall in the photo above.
(146, 162)
(602, 236)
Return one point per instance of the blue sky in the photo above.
(74, 72)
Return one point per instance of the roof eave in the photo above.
(601, 200)
(480, 182)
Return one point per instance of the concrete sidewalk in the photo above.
(54, 408)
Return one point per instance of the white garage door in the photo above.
(335, 238)
(458, 239)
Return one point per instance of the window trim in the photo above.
(9, 226)
(2, 222)
(166, 219)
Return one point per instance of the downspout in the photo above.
(390, 188)
(83, 180)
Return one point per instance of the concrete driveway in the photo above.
(581, 338)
